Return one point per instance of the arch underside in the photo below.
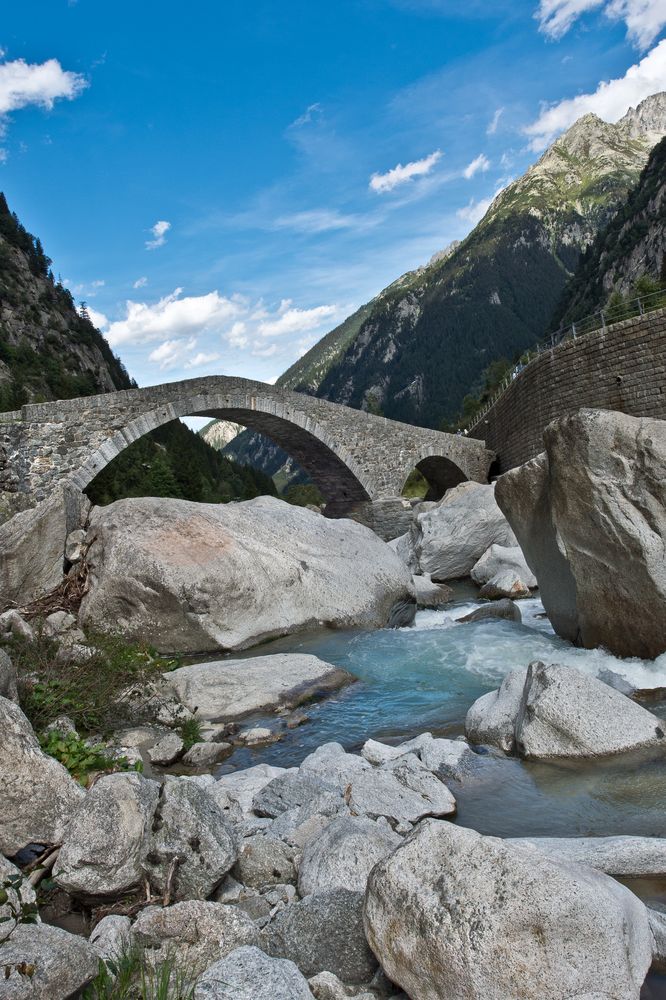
(339, 486)
(441, 475)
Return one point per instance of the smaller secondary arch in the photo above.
(441, 475)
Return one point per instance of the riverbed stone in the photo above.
(106, 841)
(203, 755)
(167, 749)
(59, 963)
(590, 515)
(657, 920)
(289, 791)
(231, 689)
(264, 861)
(324, 932)
(249, 974)
(401, 790)
(451, 913)
(631, 857)
(38, 794)
(334, 765)
(192, 577)
(344, 855)
(503, 609)
(500, 561)
(326, 986)
(241, 787)
(191, 831)
(111, 937)
(429, 594)
(492, 717)
(196, 931)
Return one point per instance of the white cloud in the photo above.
(97, 319)
(290, 319)
(310, 112)
(236, 336)
(202, 358)
(610, 100)
(140, 282)
(172, 352)
(480, 163)
(22, 84)
(159, 231)
(317, 220)
(474, 211)
(381, 183)
(171, 316)
(494, 122)
(644, 19)
(259, 351)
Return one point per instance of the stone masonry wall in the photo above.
(622, 368)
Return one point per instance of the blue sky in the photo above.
(223, 182)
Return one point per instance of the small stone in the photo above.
(259, 734)
(504, 609)
(58, 623)
(111, 937)
(167, 749)
(74, 545)
(62, 725)
(249, 974)
(206, 754)
(12, 622)
(263, 861)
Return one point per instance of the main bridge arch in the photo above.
(352, 456)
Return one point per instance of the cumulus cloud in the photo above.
(475, 210)
(202, 358)
(97, 318)
(610, 100)
(644, 19)
(381, 183)
(480, 163)
(291, 319)
(170, 316)
(140, 282)
(159, 231)
(22, 84)
(494, 122)
(172, 352)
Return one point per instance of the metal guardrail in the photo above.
(600, 320)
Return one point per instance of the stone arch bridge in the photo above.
(352, 456)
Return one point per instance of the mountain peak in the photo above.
(647, 119)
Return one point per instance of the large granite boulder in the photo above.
(38, 794)
(449, 538)
(453, 914)
(249, 974)
(552, 711)
(191, 577)
(40, 962)
(105, 846)
(345, 854)
(590, 516)
(630, 857)
(230, 689)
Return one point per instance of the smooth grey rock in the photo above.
(249, 974)
(402, 790)
(111, 937)
(206, 754)
(258, 735)
(324, 932)
(344, 855)
(28, 895)
(256, 908)
(232, 689)
(242, 786)
(379, 753)
(504, 608)
(12, 623)
(402, 546)
(448, 759)
(502, 572)
(167, 749)
(206, 577)
(8, 678)
(429, 594)
(617, 681)
(492, 717)
(74, 545)
(333, 765)
(63, 963)
(570, 714)
(301, 824)
(631, 857)
(326, 986)
(657, 920)
(192, 828)
(449, 538)
(264, 860)
(453, 914)
(38, 794)
(590, 515)
(58, 623)
(195, 932)
(402, 613)
(105, 844)
(289, 791)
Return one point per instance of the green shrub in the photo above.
(190, 732)
(81, 759)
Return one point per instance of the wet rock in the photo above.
(249, 974)
(231, 689)
(168, 748)
(502, 572)
(8, 678)
(258, 736)
(429, 594)
(590, 515)
(344, 855)
(206, 754)
(402, 790)
(235, 593)
(40, 962)
(452, 913)
(324, 932)
(104, 847)
(38, 794)
(190, 831)
(265, 860)
(657, 920)
(111, 937)
(195, 932)
(448, 759)
(631, 857)
(505, 609)
(402, 613)
(492, 717)
(449, 538)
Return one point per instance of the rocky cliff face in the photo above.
(47, 350)
(629, 249)
(424, 344)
